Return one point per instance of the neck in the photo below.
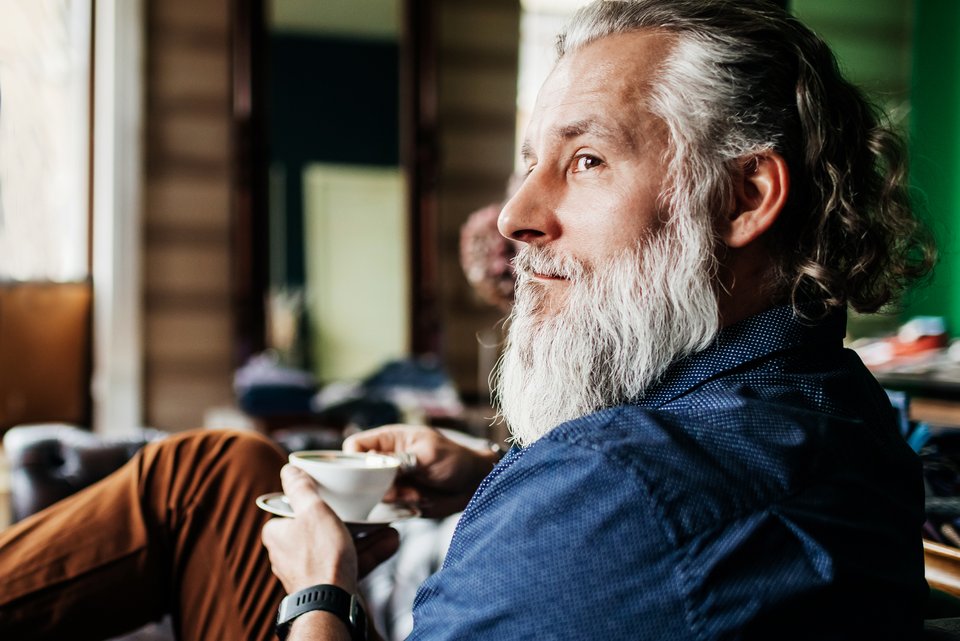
(744, 284)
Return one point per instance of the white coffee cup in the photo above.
(351, 483)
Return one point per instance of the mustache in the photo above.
(532, 260)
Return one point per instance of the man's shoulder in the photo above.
(731, 470)
(724, 416)
(728, 450)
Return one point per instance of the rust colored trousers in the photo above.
(176, 530)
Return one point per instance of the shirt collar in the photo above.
(774, 330)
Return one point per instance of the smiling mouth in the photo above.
(540, 276)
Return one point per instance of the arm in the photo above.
(323, 626)
(447, 472)
(318, 626)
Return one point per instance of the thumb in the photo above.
(301, 491)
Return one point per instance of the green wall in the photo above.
(872, 41)
(935, 147)
(905, 54)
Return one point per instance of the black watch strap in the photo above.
(328, 598)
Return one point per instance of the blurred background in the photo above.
(279, 215)
(248, 212)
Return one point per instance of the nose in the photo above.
(528, 216)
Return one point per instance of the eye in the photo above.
(585, 162)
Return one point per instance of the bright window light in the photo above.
(540, 22)
(44, 139)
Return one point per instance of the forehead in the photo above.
(604, 81)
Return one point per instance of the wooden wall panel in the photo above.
(188, 341)
(175, 270)
(176, 73)
(188, 202)
(184, 396)
(182, 133)
(477, 85)
(490, 152)
(184, 16)
(184, 337)
(488, 28)
(477, 91)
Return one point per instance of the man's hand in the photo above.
(315, 546)
(446, 475)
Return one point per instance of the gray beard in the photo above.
(621, 325)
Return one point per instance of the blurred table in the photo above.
(931, 379)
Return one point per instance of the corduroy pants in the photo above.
(176, 530)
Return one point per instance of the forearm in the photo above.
(324, 626)
(318, 626)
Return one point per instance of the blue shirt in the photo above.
(761, 490)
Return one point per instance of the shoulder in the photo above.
(542, 551)
(695, 500)
(699, 463)
(732, 447)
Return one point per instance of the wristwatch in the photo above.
(328, 598)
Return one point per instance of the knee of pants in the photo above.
(188, 459)
(240, 444)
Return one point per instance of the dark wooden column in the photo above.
(249, 197)
(419, 151)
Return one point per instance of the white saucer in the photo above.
(381, 516)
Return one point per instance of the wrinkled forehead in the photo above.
(611, 76)
(632, 57)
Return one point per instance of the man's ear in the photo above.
(760, 193)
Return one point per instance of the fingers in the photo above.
(393, 438)
(314, 547)
(270, 533)
(380, 439)
(404, 493)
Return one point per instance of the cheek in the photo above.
(608, 223)
(639, 213)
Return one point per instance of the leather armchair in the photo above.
(51, 461)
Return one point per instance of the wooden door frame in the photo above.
(249, 182)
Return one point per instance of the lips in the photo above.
(536, 263)
(541, 276)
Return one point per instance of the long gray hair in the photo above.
(746, 77)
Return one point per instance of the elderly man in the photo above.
(696, 454)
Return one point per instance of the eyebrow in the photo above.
(591, 126)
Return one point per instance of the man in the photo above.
(697, 456)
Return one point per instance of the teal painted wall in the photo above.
(935, 148)
(872, 40)
(905, 55)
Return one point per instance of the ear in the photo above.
(760, 192)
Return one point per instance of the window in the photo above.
(70, 175)
(540, 22)
(44, 139)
